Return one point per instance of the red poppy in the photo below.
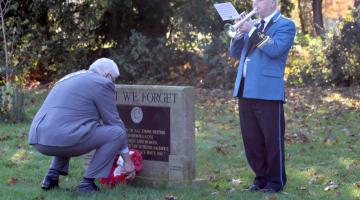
(116, 176)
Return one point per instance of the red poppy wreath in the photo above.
(117, 173)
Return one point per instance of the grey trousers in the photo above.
(107, 140)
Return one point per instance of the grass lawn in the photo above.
(322, 152)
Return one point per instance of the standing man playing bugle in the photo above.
(263, 50)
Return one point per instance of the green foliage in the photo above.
(144, 59)
(307, 64)
(149, 17)
(213, 65)
(286, 7)
(344, 51)
(11, 103)
(54, 39)
(150, 47)
(156, 41)
(333, 59)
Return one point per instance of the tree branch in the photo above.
(4, 9)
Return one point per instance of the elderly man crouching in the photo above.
(79, 115)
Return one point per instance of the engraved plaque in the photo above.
(148, 130)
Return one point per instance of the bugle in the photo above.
(231, 30)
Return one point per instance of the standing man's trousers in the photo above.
(263, 128)
(107, 140)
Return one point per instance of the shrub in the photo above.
(307, 64)
(344, 52)
(143, 59)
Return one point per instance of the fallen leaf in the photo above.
(304, 139)
(351, 167)
(236, 182)
(212, 177)
(332, 185)
(321, 178)
(39, 198)
(331, 139)
(231, 190)
(170, 197)
(290, 139)
(220, 149)
(312, 193)
(11, 180)
(312, 180)
(218, 103)
(338, 194)
(357, 185)
(302, 188)
(4, 137)
(347, 132)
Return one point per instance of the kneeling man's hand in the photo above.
(128, 166)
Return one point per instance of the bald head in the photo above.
(105, 67)
(265, 8)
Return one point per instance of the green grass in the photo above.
(322, 145)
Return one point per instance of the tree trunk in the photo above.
(317, 17)
(3, 7)
(303, 17)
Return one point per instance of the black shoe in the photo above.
(253, 188)
(87, 187)
(49, 183)
(270, 190)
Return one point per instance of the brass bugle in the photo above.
(231, 30)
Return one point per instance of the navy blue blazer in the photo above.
(266, 62)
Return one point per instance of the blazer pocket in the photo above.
(272, 73)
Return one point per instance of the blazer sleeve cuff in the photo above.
(125, 150)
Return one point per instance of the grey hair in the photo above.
(103, 66)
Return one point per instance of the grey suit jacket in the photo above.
(73, 108)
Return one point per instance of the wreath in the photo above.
(117, 173)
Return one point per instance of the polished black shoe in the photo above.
(253, 188)
(269, 190)
(49, 183)
(87, 187)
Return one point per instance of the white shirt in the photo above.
(266, 19)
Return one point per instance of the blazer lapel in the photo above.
(251, 46)
(274, 19)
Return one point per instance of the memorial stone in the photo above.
(160, 122)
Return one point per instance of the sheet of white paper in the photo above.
(226, 11)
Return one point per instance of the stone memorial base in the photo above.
(160, 122)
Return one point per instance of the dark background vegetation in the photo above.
(166, 42)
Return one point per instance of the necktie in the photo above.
(260, 28)
(262, 24)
